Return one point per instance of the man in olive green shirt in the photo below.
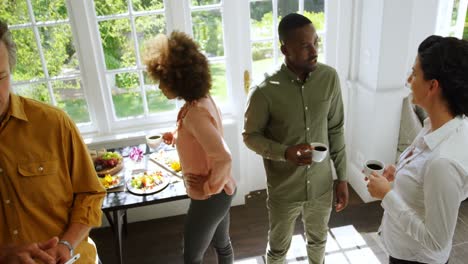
(297, 105)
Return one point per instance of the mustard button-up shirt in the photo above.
(284, 111)
(47, 178)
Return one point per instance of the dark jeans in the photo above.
(400, 261)
(208, 222)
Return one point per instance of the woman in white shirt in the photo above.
(430, 179)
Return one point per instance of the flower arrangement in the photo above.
(136, 154)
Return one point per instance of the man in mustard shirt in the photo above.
(297, 105)
(50, 196)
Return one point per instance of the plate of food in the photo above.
(108, 163)
(147, 183)
(111, 181)
(168, 159)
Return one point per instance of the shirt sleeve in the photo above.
(201, 125)
(336, 131)
(88, 191)
(443, 187)
(255, 121)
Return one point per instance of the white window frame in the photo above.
(237, 56)
(444, 19)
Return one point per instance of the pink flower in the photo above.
(136, 154)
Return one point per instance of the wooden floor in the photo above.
(352, 237)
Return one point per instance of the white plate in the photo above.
(159, 187)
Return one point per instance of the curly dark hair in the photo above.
(445, 59)
(6, 38)
(178, 63)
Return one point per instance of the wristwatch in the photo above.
(68, 245)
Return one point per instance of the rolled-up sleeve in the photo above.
(255, 121)
(87, 190)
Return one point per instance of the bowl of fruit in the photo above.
(108, 163)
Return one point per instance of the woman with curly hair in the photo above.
(183, 72)
(431, 176)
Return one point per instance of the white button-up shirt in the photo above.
(430, 183)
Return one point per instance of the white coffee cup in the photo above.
(319, 151)
(153, 141)
(373, 165)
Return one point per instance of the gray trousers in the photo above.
(282, 216)
(208, 222)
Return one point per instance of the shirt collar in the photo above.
(17, 107)
(291, 75)
(434, 138)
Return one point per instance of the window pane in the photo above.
(126, 95)
(261, 19)
(146, 5)
(147, 27)
(315, 11)
(59, 51)
(157, 102)
(49, 10)
(36, 91)
(70, 97)
(106, 7)
(465, 30)
(208, 32)
(218, 81)
(205, 2)
(263, 61)
(28, 64)
(456, 5)
(117, 43)
(14, 12)
(287, 6)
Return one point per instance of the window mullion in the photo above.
(138, 58)
(41, 52)
(275, 32)
(301, 7)
(85, 28)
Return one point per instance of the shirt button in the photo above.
(1, 170)
(308, 182)
(15, 232)
(306, 108)
(7, 201)
(308, 166)
(41, 168)
(308, 129)
(302, 86)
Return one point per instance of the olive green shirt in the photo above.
(284, 111)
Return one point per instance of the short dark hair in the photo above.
(178, 62)
(289, 23)
(5, 37)
(445, 59)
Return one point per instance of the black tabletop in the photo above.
(122, 199)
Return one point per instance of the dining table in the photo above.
(118, 200)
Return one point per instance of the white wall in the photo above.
(387, 34)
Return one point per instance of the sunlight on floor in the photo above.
(344, 246)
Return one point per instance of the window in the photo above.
(124, 26)
(207, 28)
(453, 18)
(85, 56)
(465, 30)
(48, 69)
(265, 16)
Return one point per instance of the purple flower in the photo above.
(136, 154)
